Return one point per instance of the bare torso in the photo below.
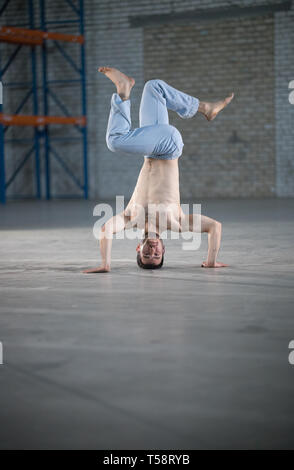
(157, 190)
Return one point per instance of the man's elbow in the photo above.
(107, 230)
(216, 227)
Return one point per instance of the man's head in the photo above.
(150, 253)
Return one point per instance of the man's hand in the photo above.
(214, 265)
(100, 269)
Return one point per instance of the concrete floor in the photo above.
(181, 358)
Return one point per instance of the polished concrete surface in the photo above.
(180, 358)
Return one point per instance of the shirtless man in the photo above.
(161, 145)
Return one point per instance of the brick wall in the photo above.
(248, 151)
(233, 155)
(284, 111)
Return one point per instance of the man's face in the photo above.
(151, 251)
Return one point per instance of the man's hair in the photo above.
(148, 265)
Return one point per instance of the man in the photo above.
(157, 189)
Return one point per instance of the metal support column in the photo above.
(35, 104)
(2, 154)
(84, 101)
(45, 100)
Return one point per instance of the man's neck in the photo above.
(150, 232)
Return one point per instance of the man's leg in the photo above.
(158, 96)
(156, 138)
(158, 141)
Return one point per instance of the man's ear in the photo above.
(138, 247)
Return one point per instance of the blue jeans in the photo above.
(155, 138)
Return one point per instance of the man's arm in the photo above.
(214, 231)
(113, 225)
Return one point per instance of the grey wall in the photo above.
(249, 151)
(235, 154)
(284, 112)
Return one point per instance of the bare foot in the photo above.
(100, 269)
(215, 265)
(212, 109)
(123, 83)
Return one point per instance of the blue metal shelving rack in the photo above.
(43, 137)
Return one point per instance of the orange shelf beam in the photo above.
(34, 36)
(21, 120)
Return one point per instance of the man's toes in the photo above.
(229, 98)
(104, 69)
